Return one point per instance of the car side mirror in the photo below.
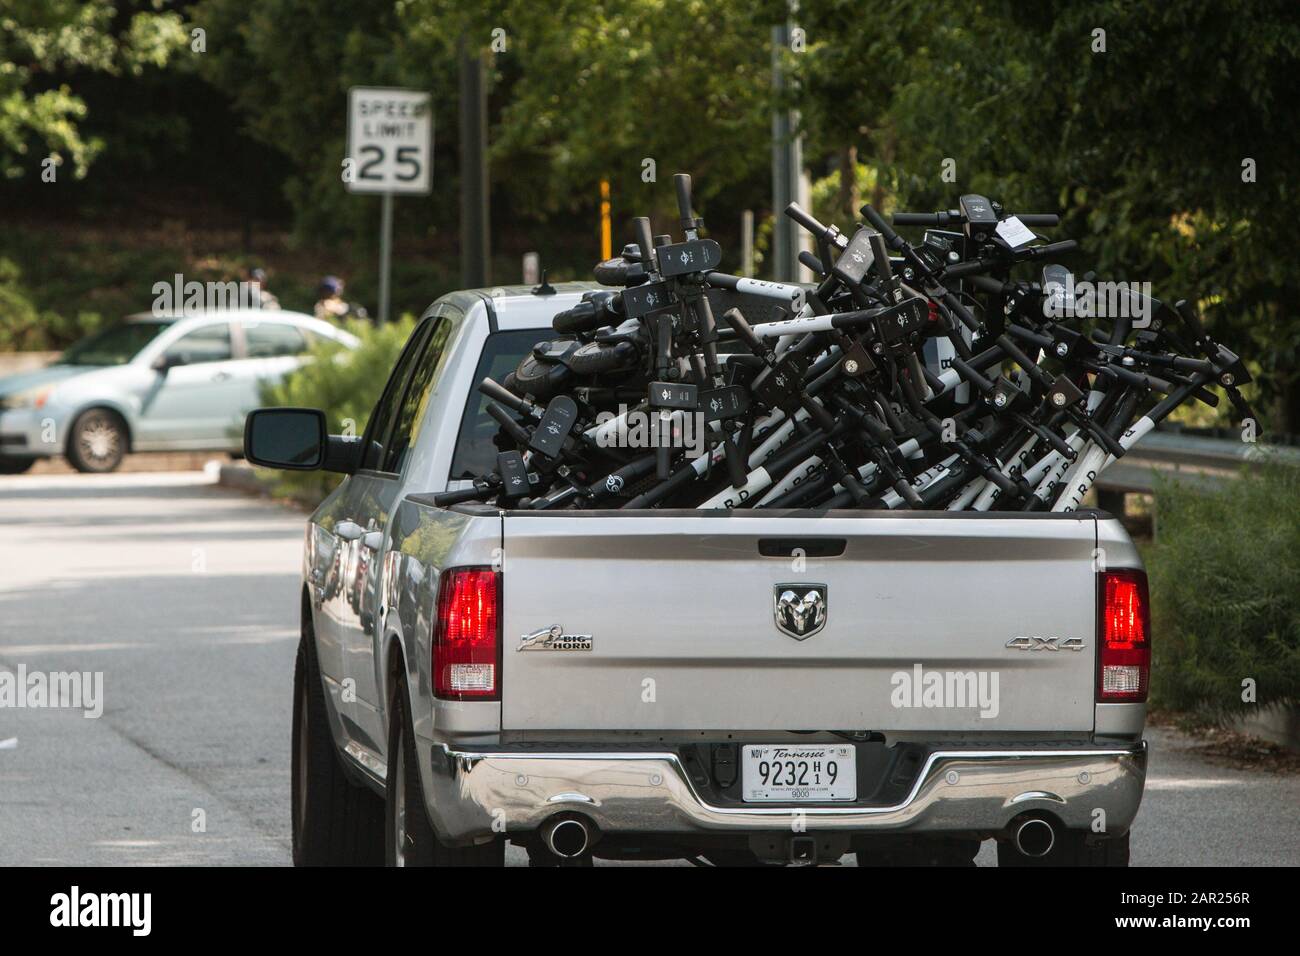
(166, 362)
(296, 439)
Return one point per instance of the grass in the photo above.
(1225, 585)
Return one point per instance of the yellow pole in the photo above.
(606, 234)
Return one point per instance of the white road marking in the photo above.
(11, 649)
(146, 479)
(1192, 783)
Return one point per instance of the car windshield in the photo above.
(115, 345)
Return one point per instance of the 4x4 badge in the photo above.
(1045, 644)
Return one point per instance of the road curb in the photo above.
(242, 477)
(1276, 724)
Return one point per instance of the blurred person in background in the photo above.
(330, 304)
(264, 298)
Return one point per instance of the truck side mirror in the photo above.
(296, 439)
(289, 438)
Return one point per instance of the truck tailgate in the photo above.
(681, 609)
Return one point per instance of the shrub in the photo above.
(343, 383)
(1225, 584)
(24, 326)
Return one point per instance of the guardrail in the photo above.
(1194, 459)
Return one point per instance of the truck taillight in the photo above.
(467, 635)
(1124, 637)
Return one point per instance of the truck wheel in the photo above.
(540, 856)
(15, 466)
(891, 850)
(97, 442)
(410, 840)
(1072, 848)
(735, 858)
(335, 822)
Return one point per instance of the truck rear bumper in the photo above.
(956, 790)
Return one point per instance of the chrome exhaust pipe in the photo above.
(1035, 837)
(566, 838)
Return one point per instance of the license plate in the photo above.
(804, 774)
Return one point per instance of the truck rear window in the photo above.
(475, 454)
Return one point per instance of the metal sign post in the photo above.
(390, 144)
(385, 253)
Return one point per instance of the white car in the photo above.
(180, 383)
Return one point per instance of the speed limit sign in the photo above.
(390, 140)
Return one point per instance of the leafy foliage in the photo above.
(595, 88)
(40, 37)
(287, 65)
(1225, 590)
(345, 384)
(1133, 119)
(26, 327)
(1140, 144)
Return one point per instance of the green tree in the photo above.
(581, 91)
(287, 66)
(1135, 120)
(846, 83)
(43, 37)
(345, 384)
(592, 90)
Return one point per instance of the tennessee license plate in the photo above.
(805, 774)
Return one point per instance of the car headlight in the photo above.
(28, 398)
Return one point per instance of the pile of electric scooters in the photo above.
(910, 376)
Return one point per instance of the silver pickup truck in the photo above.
(727, 686)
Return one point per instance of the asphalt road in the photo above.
(184, 596)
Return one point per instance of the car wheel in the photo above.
(1072, 848)
(410, 839)
(97, 442)
(335, 822)
(15, 466)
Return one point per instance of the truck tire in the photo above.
(335, 822)
(892, 850)
(409, 837)
(727, 858)
(1072, 848)
(97, 442)
(539, 856)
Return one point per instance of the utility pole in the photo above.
(789, 184)
(385, 255)
(747, 243)
(475, 237)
